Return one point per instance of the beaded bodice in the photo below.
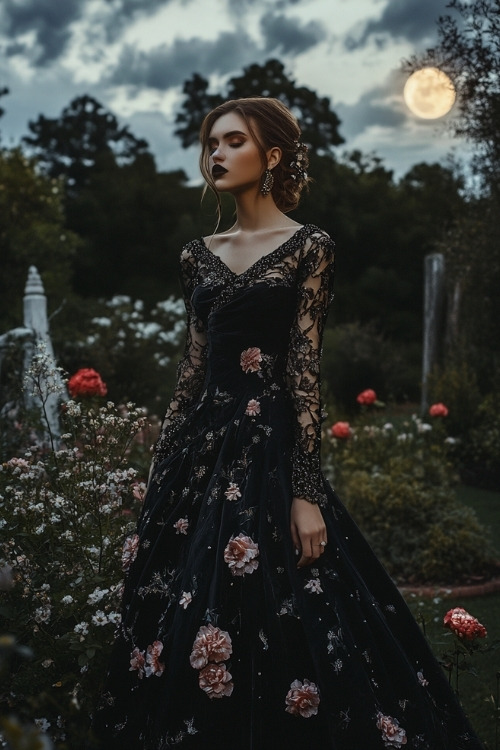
(254, 333)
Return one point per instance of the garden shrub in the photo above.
(357, 356)
(65, 516)
(398, 484)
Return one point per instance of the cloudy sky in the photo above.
(134, 55)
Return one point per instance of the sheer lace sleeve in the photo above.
(315, 283)
(191, 368)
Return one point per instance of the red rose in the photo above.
(438, 410)
(460, 622)
(86, 382)
(341, 430)
(366, 397)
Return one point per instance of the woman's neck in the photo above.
(255, 212)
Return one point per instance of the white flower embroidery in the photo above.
(314, 586)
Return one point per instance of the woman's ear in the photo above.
(273, 157)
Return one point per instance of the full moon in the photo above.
(429, 93)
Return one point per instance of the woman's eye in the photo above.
(236, 145)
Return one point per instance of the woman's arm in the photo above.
(190, 370)
(303, 372)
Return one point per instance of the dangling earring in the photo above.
(268, 183)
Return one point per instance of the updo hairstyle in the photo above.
(271, 124)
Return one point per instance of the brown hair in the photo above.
(271, 124)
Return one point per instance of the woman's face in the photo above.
(235, 160)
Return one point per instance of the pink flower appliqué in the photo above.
(186, 599)
(137, 662)
(181, 526)
(250, 359)
(233, 492)
(460, 622)
(421, 679)
(392, 734)
(215, 681)
(241, 555)
(130, 549)
(302, 699)
(253, 408)
(210, 645)
(153, 665)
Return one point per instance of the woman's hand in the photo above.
(308, 530)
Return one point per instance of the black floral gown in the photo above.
(224, 643)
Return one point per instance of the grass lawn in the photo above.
(476, 691)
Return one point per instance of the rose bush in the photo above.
(398, 482)
(65, 514)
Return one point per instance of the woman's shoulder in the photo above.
(190, 250)
(317, 242)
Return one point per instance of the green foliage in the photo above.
(357, 357)
(399, 486)
(455, 384)
(483, 448)
(473, 422)
(32, 232)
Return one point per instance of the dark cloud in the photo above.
(118, 14)
(414, 20)
(373, 108)
(166, 66)
(288, 35)
(49, 20)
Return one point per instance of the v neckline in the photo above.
(259, 260)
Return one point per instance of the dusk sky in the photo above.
(134, 55)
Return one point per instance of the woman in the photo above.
(254, 614)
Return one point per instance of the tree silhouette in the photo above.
(84, 135)
(317, 120)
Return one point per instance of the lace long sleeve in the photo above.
(191, 367)
(303, 366)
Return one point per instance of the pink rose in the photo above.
(392, 734)
(366, 397)
(211, 644)
(253, 408)
(86, 382)
(233, 492)
(302, 699)
(241, 555)
(341, 430)
(153, 665)
(137, 662)
(250, 359)
(130, 549)
(181, 526)
(215, 681)
(438, 410)
(464, 625)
